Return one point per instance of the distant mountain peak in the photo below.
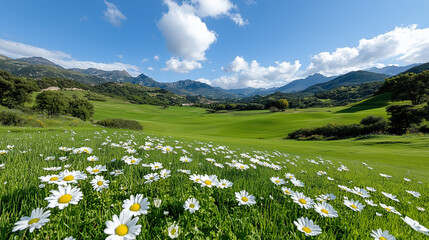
(392, 70)
(38, 61)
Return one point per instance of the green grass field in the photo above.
(259, 134)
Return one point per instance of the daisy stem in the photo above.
(24, 234)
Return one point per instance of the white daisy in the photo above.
(64, 196)
(155, 166)
(244, 198)
(209, 181)
(307, 226)
(191, 205)
(277, 181)
(414, 193)
(287, 191)
(325, 210)
(296, 182)
(302, 200)
(131, 160)
(136, 205)
(165, 173)
(173, 230)
(223, 183)
(96, 170)
(117, 172)
(50, 179)
(381, 235)
(99, 183)
(354, 205)
(370, 202)
(37, 219)
(390, 209)
(122, 228)
(151, 177)
(416, 225)
(92, 158)
(361, 192)
(69, 177)
(185, 159)
(391, 196)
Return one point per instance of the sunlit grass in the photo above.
(220, 216)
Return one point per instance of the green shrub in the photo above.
(81, 108)
(120, 123)
(331, 131)
(371, 119)
(9, 118)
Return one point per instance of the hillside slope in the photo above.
(349, 79)
(25, 69)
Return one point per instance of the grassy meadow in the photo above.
(254, 139)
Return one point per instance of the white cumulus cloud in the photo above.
(113, 15)
(204, 80)
(181, 66)
(244, 74)
(405, 44)
(187, 35)
(18, 50)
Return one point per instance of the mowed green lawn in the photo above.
(407, 155)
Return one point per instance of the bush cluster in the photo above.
(120, 123)
(55, 103)
(368, 125)
(9, 118)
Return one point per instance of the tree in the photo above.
(282, 104)
(15, 91)
(81, 108)
(409, 86)
(53, 103)
(402, 117)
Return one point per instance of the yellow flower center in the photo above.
(156, 166)
(86, 150)
(135, 207)
(383, 238)
(69, 178)
(173, 231)
(95, 170)
(133, 161)
(65, 198)
(277, 181)
(244, 199)
(324, 211)
(388, 209)
(306, 230)
(196, 180)
(354, 206)
(53, 179)
(34, 220)
(302, 201)
(241, 167)
(121, 230)
(208, 182)
(99, 183)
(151, 178)
(287, 191)
(191, 205)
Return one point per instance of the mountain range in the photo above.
(37, 67)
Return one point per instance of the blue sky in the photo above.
(232, 44)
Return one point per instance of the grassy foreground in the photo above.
(219, 216)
